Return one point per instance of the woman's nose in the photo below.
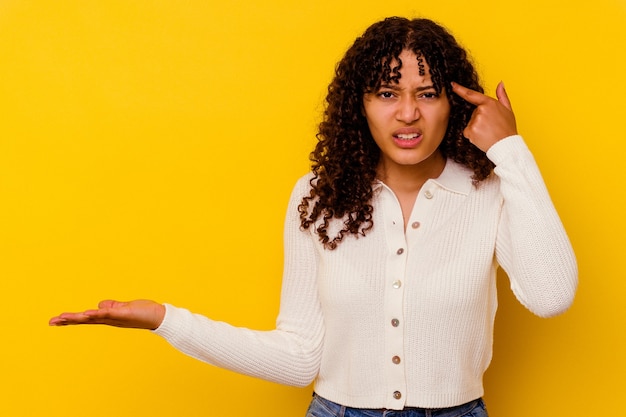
(408, 111)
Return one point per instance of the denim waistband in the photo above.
(337, 410)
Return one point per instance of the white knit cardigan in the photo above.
(403, 317)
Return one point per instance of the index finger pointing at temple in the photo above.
(468, 95)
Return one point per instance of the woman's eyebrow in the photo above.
(397, 87)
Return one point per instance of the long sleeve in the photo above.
(532, 245)
(291, 353)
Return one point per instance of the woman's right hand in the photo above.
(137, 314)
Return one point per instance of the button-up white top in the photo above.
(403, 317)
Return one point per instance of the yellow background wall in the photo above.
(148, 148)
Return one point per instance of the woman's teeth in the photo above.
(408, 136)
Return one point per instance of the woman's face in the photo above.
(408, 119)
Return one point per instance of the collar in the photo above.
(455, 178)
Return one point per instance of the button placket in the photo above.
(394, 337)
(395, 270)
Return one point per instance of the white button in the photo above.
(428, 194)
(415, 225)
(397, 284)
(400, 251)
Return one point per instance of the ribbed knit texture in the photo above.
(403, 317)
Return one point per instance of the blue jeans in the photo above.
(321, 407)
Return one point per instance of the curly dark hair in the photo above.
(345, 158)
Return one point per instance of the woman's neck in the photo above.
(403, 179)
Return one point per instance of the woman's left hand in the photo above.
(492, 120)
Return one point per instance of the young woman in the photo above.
(420, 189)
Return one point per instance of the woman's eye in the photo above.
(385, 94)
(429, 95)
